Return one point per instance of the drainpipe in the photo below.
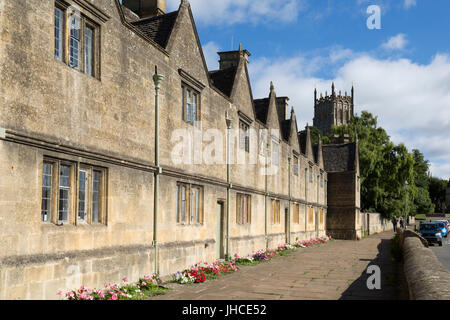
(266, 198)
(157, 79)
(229, 122)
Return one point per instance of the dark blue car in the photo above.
(432, 232)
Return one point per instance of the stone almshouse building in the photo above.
(78, 162)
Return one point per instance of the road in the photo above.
(442, 253)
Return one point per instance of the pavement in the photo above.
(333, 271)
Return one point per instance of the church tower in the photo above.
(332, 110)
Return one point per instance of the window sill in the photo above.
(183, 225)
(79, 71)
(48, 226)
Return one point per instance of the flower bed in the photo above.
(282, 249)
(205, 271)
(146, 287)
(150, 285)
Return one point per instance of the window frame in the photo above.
(296, 213)
(244, 135)
(62, 31)
(275, 217)
(73, 192)
(243, 209)
(185, 89)
(296, 166)
(85, 21)
(191, 218)
(51, 187)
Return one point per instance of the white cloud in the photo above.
(397, 42)
(412, 100)
(219, 12)
(210, 51)
(409, 3)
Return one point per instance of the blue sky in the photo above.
(401, 72)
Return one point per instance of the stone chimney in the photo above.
(283, 108)
(146, 8)
(231, 58)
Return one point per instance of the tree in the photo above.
(437, 188)
(384, 168)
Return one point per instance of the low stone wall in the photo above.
(372, 223)
(427, 278)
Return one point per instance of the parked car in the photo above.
(443, 229)
(447, 224)
(432, 232)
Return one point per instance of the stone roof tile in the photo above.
(157, 28)
(339, 157)
(223, 79)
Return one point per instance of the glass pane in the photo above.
(191, 201)
(183, 204)
(197, 204)
(182, 103)
(82, 196)
(46, 191)
(96, 179)
(248, 209)
(58, 33)
(194, 108)
(178, 203)
(74, 43)
(88, 51)
(64, 205)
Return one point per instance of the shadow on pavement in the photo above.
(392, 279)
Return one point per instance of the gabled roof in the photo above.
(262, 109)
(316, 153)
(340, 157)
(285, 128)
(223, 79)
(157, 28)
(302, 142)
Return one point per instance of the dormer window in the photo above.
(190, 104)
(296, 165)
(244, 136)
(275, 152)
(79, 46)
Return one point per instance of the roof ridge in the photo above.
(155, 17)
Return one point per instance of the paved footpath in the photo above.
(336, 270)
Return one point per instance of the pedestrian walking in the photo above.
(402, 223)
(394, 222)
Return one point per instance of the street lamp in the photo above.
(406, 202)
